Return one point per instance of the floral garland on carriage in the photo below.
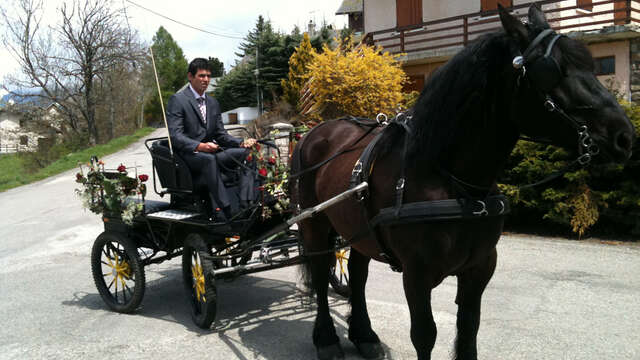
(110, 191)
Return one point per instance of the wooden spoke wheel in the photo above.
(117, 272)
(338, 273)
(197, 273)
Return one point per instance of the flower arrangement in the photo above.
(274, 172)
(107, 191)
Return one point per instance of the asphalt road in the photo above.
(549, 298)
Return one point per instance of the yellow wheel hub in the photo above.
(120, 270)
(198, 278)
(343, 260)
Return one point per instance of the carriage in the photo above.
(185, 227)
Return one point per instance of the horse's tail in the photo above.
(304, 271)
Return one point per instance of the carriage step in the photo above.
(172, 215)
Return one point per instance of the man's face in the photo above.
(200, 81)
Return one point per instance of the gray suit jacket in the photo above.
(186, 127)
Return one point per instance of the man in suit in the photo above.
(199, 137)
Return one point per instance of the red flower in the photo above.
(262, 172)
(249, 157)
(272, 160)
(257, 147)
(298, 136)
(122, 168)
(143, 177)
(79, 177)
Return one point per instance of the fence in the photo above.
(13, 148)
(457, 31)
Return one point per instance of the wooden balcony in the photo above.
(443, 37)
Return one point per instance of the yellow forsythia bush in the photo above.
(359, 81)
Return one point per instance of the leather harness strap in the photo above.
(414, 212)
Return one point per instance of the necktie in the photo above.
(203, 110)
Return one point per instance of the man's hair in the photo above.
(198, 64)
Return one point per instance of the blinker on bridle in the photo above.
(544, 74)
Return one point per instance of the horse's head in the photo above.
(559, 97)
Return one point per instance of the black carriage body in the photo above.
(184, 226)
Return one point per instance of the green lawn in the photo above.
(12, 166)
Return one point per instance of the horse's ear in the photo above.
(537, 18)
(513, 27)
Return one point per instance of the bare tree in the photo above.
(68, 61)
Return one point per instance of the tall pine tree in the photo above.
(298, 67)
(172, 73)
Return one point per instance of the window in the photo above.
(585, 4)
(605, 65)
(408, 12)
(24, 140)
(488, 5)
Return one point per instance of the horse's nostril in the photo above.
(623, 141)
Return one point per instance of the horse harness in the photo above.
(464, 208)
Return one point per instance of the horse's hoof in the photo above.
(370, 350)
(331, 352)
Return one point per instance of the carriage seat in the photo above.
(174, 174)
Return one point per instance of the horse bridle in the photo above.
(546, 75)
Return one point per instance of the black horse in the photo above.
(464, 125)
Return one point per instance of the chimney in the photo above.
(311, 28)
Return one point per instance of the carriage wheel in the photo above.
(197, 272)
(117, 272)
(338, 274)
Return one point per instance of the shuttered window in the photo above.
(487, 5)
(408, 12)
(585, 4)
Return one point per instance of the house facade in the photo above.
(18, 129)
(429, 32)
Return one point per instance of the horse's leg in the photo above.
(471, 285)
(315, 234)
(418, 294)
(360, 331)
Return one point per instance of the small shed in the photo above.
(241, 115)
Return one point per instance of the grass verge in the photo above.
(13, 170)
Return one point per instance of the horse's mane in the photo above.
(461, 87)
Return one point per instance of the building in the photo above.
(429, 32)
(26, 122)
(353, 9)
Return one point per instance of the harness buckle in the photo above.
(357, 168)
(400, 184)
(483, 211)
(382, 119)
(550, 105)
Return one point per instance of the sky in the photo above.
(231, 18)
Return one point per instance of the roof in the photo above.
(350, 7)
(26, 99)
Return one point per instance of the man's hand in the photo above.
(248, 143)
(208, 147)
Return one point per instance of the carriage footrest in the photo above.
(172, 215)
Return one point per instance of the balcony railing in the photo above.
(453, 32)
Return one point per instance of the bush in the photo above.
(358, 81)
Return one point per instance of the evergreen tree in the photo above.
(217, 67)
(236, 88)
(298, 67)
(172, 66)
